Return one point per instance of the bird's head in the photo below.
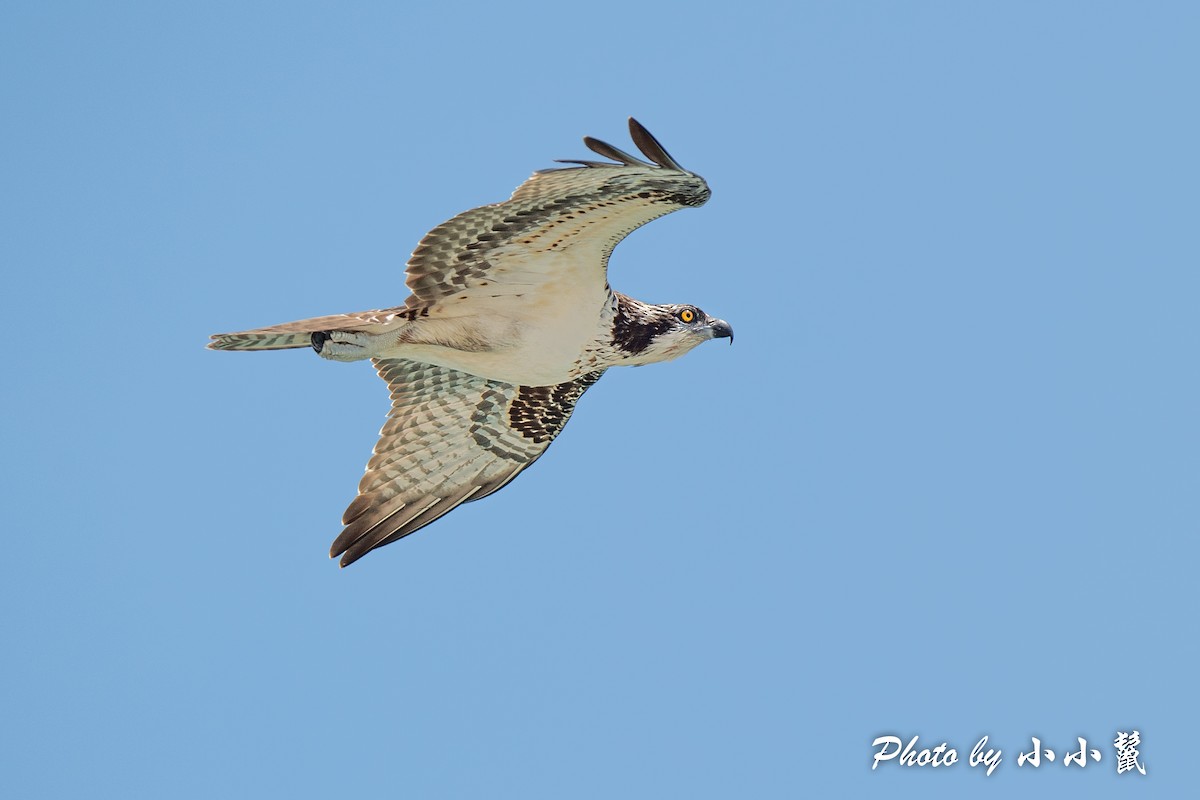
(649, 333)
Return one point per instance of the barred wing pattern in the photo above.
(584, 210)
(450, 438)
(299, 334)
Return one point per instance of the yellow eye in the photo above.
(687, 315)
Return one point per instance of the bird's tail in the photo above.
(299, 334)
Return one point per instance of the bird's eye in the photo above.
(687, 315)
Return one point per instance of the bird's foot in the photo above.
(342, 345)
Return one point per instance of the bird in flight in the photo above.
(510, 320)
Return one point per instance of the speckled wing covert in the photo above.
(450, 438)
(587, 211)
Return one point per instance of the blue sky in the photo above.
(944, 484)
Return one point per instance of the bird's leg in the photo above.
(343, 345)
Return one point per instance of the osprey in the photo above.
(510, 320)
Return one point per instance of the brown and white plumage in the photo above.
(450, 438)
(580, 214)
(510, 320)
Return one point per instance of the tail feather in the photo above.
(299, 334)
(259, 340)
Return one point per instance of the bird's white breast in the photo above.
(540, 317)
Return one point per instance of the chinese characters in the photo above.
(892, 748)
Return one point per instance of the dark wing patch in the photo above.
(450, 438)
(539, 412)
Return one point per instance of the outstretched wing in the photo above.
(583, 211)
(450, 438)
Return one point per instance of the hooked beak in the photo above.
(721, 329)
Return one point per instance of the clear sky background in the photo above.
(944, 484)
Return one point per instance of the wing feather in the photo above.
(450, 438)
(650, 146)
(586, 210)
(616, 154)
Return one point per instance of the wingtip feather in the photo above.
(651, 147)
(646, 143)
(615, 153)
